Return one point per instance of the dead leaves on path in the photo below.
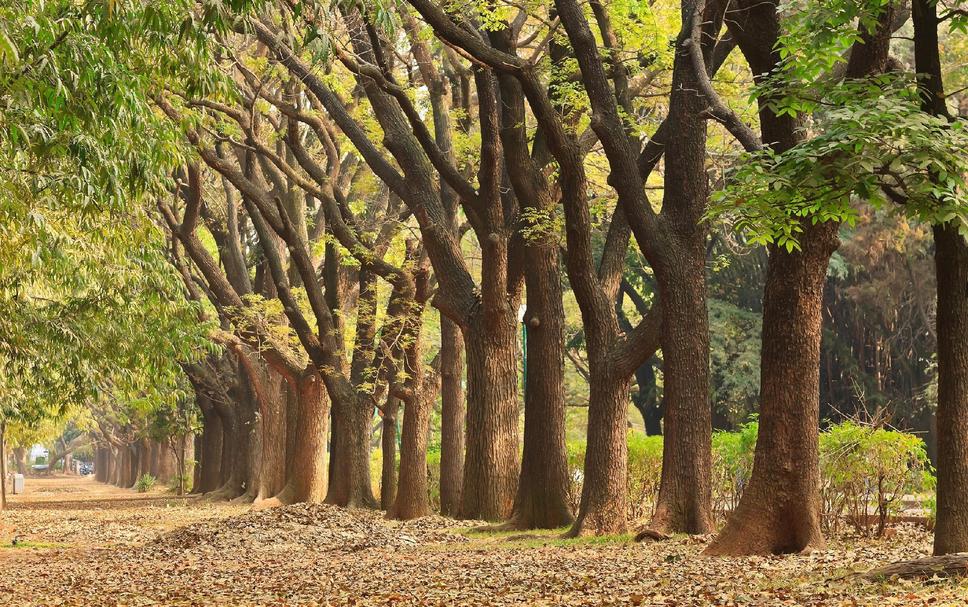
(221, 554)
(315, 527)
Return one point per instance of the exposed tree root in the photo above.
(245, 498)
(651, 535)
(948, 565)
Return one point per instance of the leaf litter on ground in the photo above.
(109, 549)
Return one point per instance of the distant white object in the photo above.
(522, 309)
(18, 483)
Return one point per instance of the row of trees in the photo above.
(324, 174)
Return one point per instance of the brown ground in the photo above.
(81, 543)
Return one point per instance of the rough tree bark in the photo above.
(20, 460)
(685, 493)
(951, 262)
(490, 399)
(453, 416)
(307, 478)
(388, 442)
(951, 267)
(542, 492)
(408, 382)
(780, 508)
(210, 455)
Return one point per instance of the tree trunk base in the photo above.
(755, 532)
(405, 513)
(245, 498)
(267, 503)
(948, 565)
(222, 494)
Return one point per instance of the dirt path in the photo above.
(82, 543)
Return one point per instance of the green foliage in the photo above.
(144, 483)
(433, 475)
(876, 146)
(180, 480)
(91, 306)
(867, 471)
(732, 465)
(817, 37)
(734, 349)
(645, 473)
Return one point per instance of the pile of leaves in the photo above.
(317, 527)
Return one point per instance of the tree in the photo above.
(780, 508)
(951, 264)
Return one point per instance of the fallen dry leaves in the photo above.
(109, 549)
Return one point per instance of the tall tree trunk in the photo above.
(273, 419)
(167, 465)
(349, 469)
(110, 464)
(99, 463)
(604, 495)
(151, 448)
(412, 499)
(685, 493)
(542, 497)
(951, 268)
(307, 478)
(253, 431)
(210, 458)
(115, 460)
(20, 460)
(780, 509)
(292, 424)
(453, 413)
(388, 442)
(951, 262)
(491, 462)
(3, 464)
(134, 464)
(234, 451)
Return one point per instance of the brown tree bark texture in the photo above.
(491, 465)
(452, 416)
(951, 260)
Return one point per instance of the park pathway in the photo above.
(73, 542)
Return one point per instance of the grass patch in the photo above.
(538, 538)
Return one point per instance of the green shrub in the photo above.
(145, 483)
(866, 472)
(645, 472)
(576, 471)
(732, 465)
(433, 475)
(376, 471)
